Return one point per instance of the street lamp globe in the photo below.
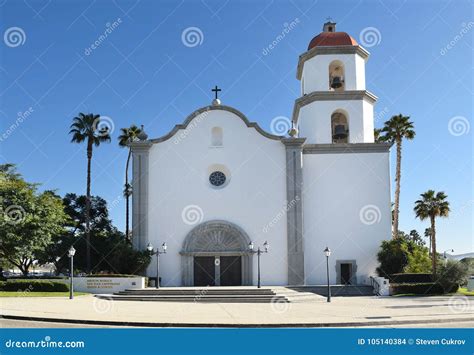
(251, 246)
(149, 247)
(164, 246)
(327, 252)
(266, 245)
(71, 251)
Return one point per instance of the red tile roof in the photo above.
(332, 39)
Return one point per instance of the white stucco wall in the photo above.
(314, 120)
(256, 192)
(315, 73)
(341, 192)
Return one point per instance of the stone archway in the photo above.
(216, 239)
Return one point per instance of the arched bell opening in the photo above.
(339, 127)
(336, 76)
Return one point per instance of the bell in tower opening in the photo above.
(339, 128)
(336, 76)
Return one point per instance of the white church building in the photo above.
(218, 182)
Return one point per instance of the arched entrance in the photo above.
(215, 253)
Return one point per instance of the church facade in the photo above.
(218, 183)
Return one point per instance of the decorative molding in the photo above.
(331, 96)
(205, 109)
(328, 50)
(294, 215)
(346, 148)
(140, 165)
(216, 238)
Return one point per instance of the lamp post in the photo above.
(157, 252)
(327, 252)
(446, 256)
(71, 253)
(259, 251)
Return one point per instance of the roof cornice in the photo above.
(346, 148)
(328, 50)
(330, 96)
(205, 109)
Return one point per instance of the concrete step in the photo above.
(337, 290)
(196, 292)
(199, 298)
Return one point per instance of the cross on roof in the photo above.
(216, 90)
(329, 19)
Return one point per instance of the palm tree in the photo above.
(395, 130)
(428, 235)
(128, 136)
(377, 135)
(432, 205)
(87, 128)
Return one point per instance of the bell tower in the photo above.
(334, 106)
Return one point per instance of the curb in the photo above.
(233, 325)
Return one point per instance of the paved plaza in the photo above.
(437, 311)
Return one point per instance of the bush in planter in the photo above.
(451, 275)
(34, 286)
(411, 278)
(422, 288)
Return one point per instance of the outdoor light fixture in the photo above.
(71, 253)
(327, 252)
(157, 252)
(266, 247)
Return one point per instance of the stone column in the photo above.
(140, 155)
(294, 186)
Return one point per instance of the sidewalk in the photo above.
(342, 311)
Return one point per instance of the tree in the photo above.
(430, 206)
(428, 235)
(87, 128)
(111, 252)
(28, 220)
(395, 130)
(128, 136)
(377, 135)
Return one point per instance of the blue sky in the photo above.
(143, 73)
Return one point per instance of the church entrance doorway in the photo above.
(346, 273)
(216, 253)
(204, 271)
(231, 271)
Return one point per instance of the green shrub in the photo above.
(112, 275)
(422, 288)
(411, 278)
(34, 286)
(452, 274)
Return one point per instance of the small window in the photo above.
(217, 178)
(216, 137)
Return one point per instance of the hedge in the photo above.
(37, 277)
(403, 278)
(112, 275)
(422, 288)
(34, 286)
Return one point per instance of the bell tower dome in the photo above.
(334, 106)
